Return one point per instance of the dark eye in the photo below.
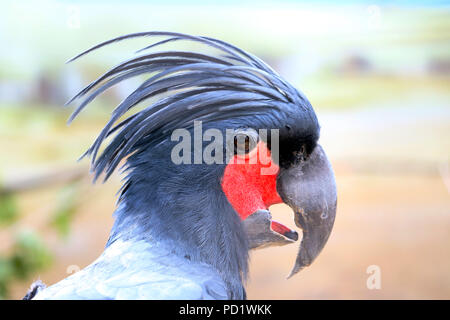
(245, 140)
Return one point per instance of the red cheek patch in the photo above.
(246, 188)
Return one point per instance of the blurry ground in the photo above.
(378, 78)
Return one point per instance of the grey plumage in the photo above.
(138, 270)
(35, 288)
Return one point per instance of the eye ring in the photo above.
(245, 141)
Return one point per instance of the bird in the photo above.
(206, 143)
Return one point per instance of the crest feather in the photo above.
(185, 86)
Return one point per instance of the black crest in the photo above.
(184, 86)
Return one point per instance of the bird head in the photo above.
(300, 175)
(254, 141)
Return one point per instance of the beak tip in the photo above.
(293, 235)
(294, 271)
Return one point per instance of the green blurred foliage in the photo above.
(66, 209)
(28, 255)
(9, 211)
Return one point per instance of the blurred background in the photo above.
(376, 72)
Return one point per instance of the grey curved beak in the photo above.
(309, 188)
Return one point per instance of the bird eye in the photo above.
(245, 140)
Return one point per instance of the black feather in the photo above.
(186, 86)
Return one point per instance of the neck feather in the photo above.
(184, 205)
